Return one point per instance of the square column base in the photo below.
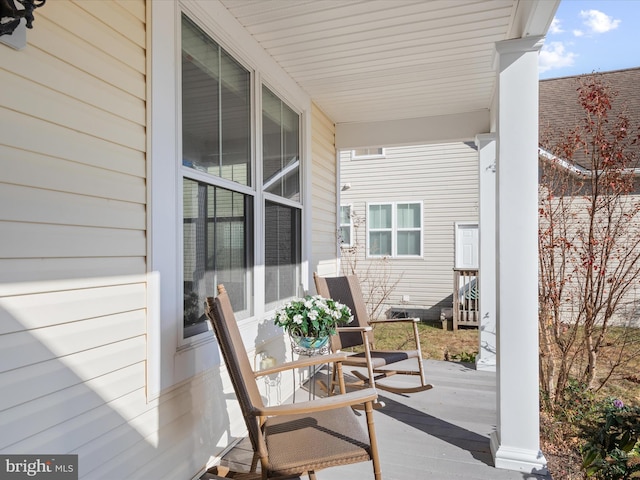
(518, 459)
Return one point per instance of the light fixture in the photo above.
(10, 15)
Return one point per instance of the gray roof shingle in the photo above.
(560, 109)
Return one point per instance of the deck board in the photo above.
(441, 434)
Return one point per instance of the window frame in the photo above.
(341, 225)
(172, 360)
(368, 156)
(217, 181)
(264, 185)
(394, 229)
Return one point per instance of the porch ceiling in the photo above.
(381, 60)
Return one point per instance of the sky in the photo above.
(589, 36)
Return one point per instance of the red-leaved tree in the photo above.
(589, 244)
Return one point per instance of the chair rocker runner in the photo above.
(294, 439)
(346, 289)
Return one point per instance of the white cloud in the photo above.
(555, 26)
(554, 55)
(578, 33)
(599, 22)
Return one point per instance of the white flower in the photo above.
(313, 314)
(308, 304)
(297, 319)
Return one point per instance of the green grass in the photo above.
(434, 341)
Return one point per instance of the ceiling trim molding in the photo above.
(413, 131)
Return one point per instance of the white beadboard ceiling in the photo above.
(378, 60)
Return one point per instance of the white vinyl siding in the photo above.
(324, 241)
(444, 177)
(73, 284)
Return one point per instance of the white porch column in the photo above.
(486, 144)
(516, 443)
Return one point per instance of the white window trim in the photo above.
(170, 362)
(355, 156)
(394, 229)
(340, 225)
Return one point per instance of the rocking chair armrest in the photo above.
(333, 402)
(396, 320)
(353, 329)
(301, 363)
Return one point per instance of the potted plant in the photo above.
(311, 320)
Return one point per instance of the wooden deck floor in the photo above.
(440, 434)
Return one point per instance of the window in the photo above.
(346, 226)
(217, 233)
(218, 223)
(282, 251)
(216, 122)
(281, 185)
(217, 188)
(209, 197)
(280, 147)
(394, 229)
(363, 153)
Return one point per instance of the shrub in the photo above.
(612, 451)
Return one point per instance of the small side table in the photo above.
(309, 351)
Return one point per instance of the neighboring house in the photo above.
(560, 112)
(408, 207)
(151, 149)
(441, 181)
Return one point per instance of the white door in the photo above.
(466, 245)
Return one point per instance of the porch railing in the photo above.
(466, 296)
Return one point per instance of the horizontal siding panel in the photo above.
(41, 379)
(44, 269)
(324, 177)
(178, 424)
(50, 106)
(18, 167)
(182, 418)
(39, 240)
(73, 83)
(134, 7)
(128, 22)
(64, 45)
(26, 312)
(56, 141)
(321, 192)
(53, 410)
(103, 37)
(70, 435)
(29, 347)
(25, 204)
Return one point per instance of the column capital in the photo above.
(532, 43)
(483, 138)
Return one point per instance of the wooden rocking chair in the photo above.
(347, 290)
(294, 439)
